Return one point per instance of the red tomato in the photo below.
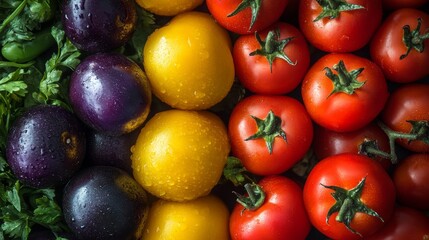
(282, 215)
(347, 172)
(397, 4)
(411, 179)
(389, 51)
(344, 111)
(328, 142)
(349, 31)
(279, 64)
(406, 223)
(408, 102)
(266, 14)
(287, 130)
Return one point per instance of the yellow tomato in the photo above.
(169, 7)
(180, 154)
(202, 218)
(189, 62)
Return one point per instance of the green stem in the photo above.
(332, 4)
(378, 152)
(392, 136)
(270, 42)
(15, 13)
(254, 199)
(4, 64)
(344, 209)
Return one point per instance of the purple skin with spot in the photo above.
(45, 146)
(110, 93)
(104, 202)
(98, 26)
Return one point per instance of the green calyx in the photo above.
(254, 198)
(273, 47)
(268, 129)
(420, 129)
(255, 6)
(347, 204)
(413, 39)
(344, 81)
(332, 8)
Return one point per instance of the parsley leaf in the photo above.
(145, 26)
(51, 88)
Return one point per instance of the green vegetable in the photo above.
(25, 51)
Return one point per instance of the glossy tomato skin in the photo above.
(387, 47)
(346, 171)
(327, 142)
(340, 111)
(349, 32)
(282, 215)
(254, 154)
(408, 102)
(254, 72)
(269, 13)
(405, 223)
(411, 181)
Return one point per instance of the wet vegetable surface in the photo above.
(95, 27)
(110, 93)
(105, 203)
(46, 146)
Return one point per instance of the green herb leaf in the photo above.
(52, 88)
(145, 26)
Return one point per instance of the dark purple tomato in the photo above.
(45, 146)
(104, 202)
(95, 26)
(99, 150)
(110, 93)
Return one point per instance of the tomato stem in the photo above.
(332, 8)
(419, 131)
(370, 148)
(268, 129)
(413, 39)
(273, 47)
(255, 6)
(254, 199)
(344, 81)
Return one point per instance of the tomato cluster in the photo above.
(341, 88)
(329, 134)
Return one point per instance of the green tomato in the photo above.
(21, 52)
